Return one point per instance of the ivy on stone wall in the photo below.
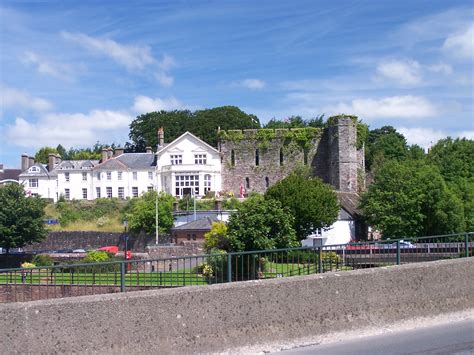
(304, 137)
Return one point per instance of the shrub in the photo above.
(102, 221)
(42, 260)
(96, 256)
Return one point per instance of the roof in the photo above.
(111, 164)
(10, 174)
(350, 202)
(203, 224)
(76, 164)
(42, 171)
(138, 160)
(187, 133)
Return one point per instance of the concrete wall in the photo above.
(220, 317)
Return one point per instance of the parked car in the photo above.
(404, 245)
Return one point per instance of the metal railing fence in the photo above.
(21, 284)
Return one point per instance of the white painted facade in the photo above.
(188, 166)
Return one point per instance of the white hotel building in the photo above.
(187, 165)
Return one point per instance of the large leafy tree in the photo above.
(260, 224)
(384, 144)
(296, 122)
(21, 217)
(455, 160)
(312, 203)
(142, 213)
(202, 123)
(409, 199)
(42, 154)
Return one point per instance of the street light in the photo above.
(156, 217)
(125, 227)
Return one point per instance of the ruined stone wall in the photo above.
(278, 156)
(331, 153)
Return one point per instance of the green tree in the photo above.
(217, 238)
(21, 217)
(260, 224)
(42, 154)
(202, 123)
(312, 203)
(455, 160)
(384, 144)
(143, 212)
(409, 199)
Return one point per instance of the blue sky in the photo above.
(77, 72)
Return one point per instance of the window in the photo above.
(119, 175)
(232, 157)
(247, 183)
(257, 158)
(67, 194)
(109, 192)
(109, 175)
(135, 175)
(149, 188)
(176, 159)
(98, 176)
(121, 194)
(33, 182)
(135, 191)
(281, 156)
(207, 183)
(150, 175)
(84, 194)
(200, 159)
(267, 182)
(187, 184)
(97, 192)
(84, 176)
(34, 169)
(66, 176)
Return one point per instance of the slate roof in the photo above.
(350, 202)
(76, 165)
(203, 224)
(10, 174)
(43, 171)
(138, 161)
(111, 164)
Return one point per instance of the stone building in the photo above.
(256, 159)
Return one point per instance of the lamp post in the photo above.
(156, 218)
(125, 227)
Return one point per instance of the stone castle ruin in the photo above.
(257, 158)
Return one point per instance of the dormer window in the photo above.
(34, 169)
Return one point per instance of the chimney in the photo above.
(104, 154)
(58, 159)
(31, 161)
(161, 137)
(148, 150)
(1, 168)
(51, 161)
(110, 153)
(24, 162)
(118, 151)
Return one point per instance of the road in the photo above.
(450, 338)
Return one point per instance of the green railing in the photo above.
(23, 284)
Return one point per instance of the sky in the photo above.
(78, 72)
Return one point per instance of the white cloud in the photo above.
(164, 79)
(132, 57)
(167, 62)
(388, 107)
(59, 71)
(253, 84)
(17, 99)
(424, 137)
(405, 72)
(461, 43)
(441, 68)
(75, 129)
(144, 104)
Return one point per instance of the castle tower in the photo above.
(344, 158)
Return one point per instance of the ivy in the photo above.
(302, 136)
(362, 128)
